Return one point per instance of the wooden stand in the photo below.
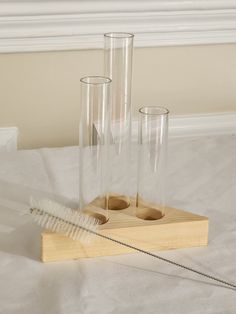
(176, 229)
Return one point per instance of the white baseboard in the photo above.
(205, 124)
(199, 125)
(8, 139)
(192, 125)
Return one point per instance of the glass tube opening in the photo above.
(154, 110)
(119, 35)
(95, 80)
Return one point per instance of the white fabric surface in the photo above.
(201, 179)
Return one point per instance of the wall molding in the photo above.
(198, 125)
(37, 25)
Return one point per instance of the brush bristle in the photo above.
(58, 218)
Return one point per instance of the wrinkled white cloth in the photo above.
(201, 179)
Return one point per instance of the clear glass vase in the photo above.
(94, 168)
(118, 48)
(152, 156)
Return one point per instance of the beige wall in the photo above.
(40, 92)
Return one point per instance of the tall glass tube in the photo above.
(118, 66)
(94, 142)
(152, 155)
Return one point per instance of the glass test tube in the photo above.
(118, 66)
(94, 141)
(152, 155)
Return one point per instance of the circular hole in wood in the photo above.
(101, 218)
(149, 213)
(118, 202)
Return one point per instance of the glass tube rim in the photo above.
(119, 35)
(98, 80)
(160, 111)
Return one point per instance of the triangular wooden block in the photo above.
(177, 229)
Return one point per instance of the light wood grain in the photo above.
(176, 229)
